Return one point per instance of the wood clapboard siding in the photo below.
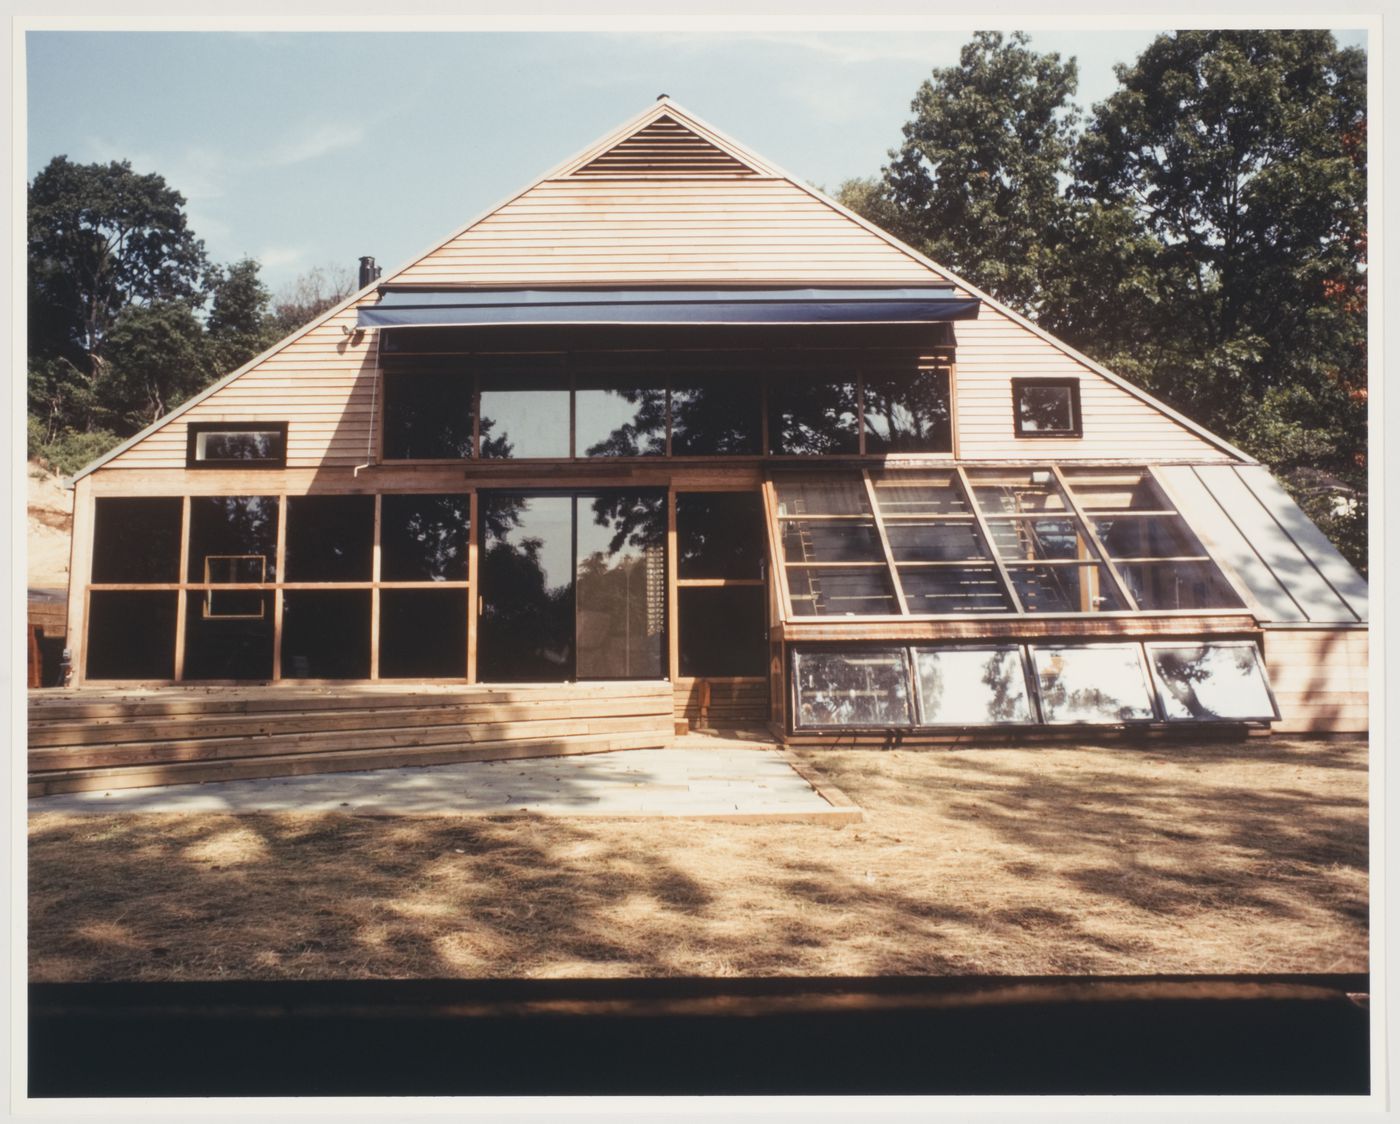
(85, 740)
(993, 349)
(1321, 679)
(623, 218)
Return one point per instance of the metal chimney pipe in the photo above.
(368, 271)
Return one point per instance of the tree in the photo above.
(102, 237)
(160, 356)
(238, 324)
(310, 295)
(976, 183)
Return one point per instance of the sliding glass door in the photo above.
(573, 586)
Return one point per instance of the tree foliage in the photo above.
(1204, 234)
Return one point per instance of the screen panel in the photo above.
(424, 537)
(136, 541)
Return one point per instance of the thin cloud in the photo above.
(312, 143)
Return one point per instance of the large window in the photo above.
(988, 540)
(967, 686)
(684, 404)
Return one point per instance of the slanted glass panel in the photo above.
(1178, 585)
(717, 415)
(613, 419)
(525, 411)
(131, 635)
(902, 494)
(972, 687)
(620, 626)
(424, 538)
(857, 591)
(720, 535)
(325, 633)
(1031, 540)
(1101, 490)
(1065, 589)
(1147, 536)
(1016, 492)
(136, 541)
(330, 538)
(233, 525)
(907, 412)
(947, 540)
(722, 630)
(851, 688)
(422, 633)
(228, 646)
(812, 414)
(1204, 682)
(830, 540)
(843, 495)
(936, 590)
(427, 415)
(1103, 684)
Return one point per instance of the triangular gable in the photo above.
(680, 220)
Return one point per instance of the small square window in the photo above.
(237, 445)
(1047, 407)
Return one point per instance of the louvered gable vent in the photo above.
(664, 149)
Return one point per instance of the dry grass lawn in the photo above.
(1235, 858)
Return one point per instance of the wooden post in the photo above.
(473, 581)
(182, 595)
(673, 639)
(374, 577)
(277, 592)
(80, 574)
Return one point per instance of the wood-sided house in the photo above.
(670, 416)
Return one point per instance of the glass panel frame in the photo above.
(1027, 715)
(1176, 708)
(894, 660)
(236, 444)
(1046, 407)
(1050, 706)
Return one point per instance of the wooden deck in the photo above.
(81, 740)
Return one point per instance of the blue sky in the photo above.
(310, 149)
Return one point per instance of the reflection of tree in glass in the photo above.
(233, 525)
(1045, 409)
(425, 537)
(534, 622)
(997, 674)
(908, 413)
(637, 519)
(717, 415)
(812, 416)
(645, 434)
(1181, 673)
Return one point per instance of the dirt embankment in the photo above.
(50, 529)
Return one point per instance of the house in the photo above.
(670, 416)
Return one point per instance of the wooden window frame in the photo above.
(1071, 384)
(195, 429)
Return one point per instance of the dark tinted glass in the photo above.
(722, 630)
(228, 528)
(613, 420)
(953, 589)
(835, 540)
(720, 534)
(935, 541)
(846, 591)
(136, 540)
(131, 635)
(254, 446)
(527, 586)
(717, 415)
(1047, 408)
(422, 634)
(325, 634)
(524, 413)
(330, 538)
(424, 538)
(852, 688)
(908, 412)
(621, 586)
(812, 415)
(233, 646)
(427, 416)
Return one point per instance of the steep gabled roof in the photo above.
(697, 208)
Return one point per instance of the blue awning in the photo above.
(458, 308)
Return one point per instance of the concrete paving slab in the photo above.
(748, 783)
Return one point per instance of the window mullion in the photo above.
(1089, 533)
(986, 533)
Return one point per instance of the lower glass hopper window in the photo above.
(1204, 682)
(867, 688)
(1104, 684)
(972, 687)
